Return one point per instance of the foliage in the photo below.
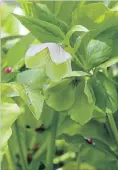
(61, 92)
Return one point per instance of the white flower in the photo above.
(57, 53)
(52, 56)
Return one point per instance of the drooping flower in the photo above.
(52, 56)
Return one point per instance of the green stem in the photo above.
(40, 152)
(113, 127)
(10, 160)
(51, 142)
(38, 155)
(16, 128)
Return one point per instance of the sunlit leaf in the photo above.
(82, 110)
(61, 100)
(76, 28)
(33, 78)
(57, 72)
(10, 112)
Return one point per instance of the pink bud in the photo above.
(90, 140)
(8, 70)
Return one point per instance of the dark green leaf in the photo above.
(42, 12)
(110, 93)
(97, 52)
(19, 50)
(42, 30)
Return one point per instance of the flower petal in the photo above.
(57, 53)
(57, 71)
(35, 48)
(37, 56)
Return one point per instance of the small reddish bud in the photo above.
(29, 158)
(89, 140)
(36, 147)
(8, 70)
(40, 129)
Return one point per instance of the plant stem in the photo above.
(113, 127)
(40, 152)
(51, 142)
(10, 160)
(16, 128)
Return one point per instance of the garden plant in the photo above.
(59, 84)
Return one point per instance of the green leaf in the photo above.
(87, 15)
(107, 20)
(47, 112)
(42, 12)
(9, 38)
(87, 91)
(9, 24)
(71, 165)
(33, 78)
(28, 96)
(77, 74)
(97, 131)
(102, 162)
(61, 100)
(68, 126)
(82, 110)
(111, 93)
(37, 100)
(43, 31)
(77, 165)
(99, 115)
(92, 129)
(76, 28)
(10, 112)
(19, 50)
(57, 71)
(69, 6)
(99, 91)
(59, 9)
(5, 134)
(58, 86)
(6, 78)
(78, 41)
(109, 63)
(26, 118)
(97, 52)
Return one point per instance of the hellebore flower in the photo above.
(74, 95)
(52, 57)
